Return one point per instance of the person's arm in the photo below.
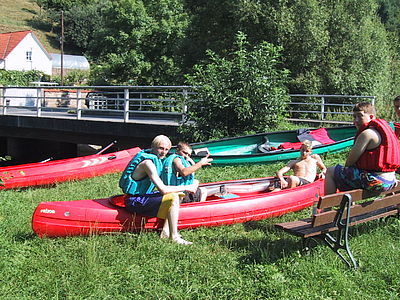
(368, 139)
(281, 172)
(320, 165)
(151, 171)
(205, 161)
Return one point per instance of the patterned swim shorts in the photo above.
(350, 178)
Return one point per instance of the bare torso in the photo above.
(306, 168)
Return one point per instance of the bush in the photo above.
(241, 94)
(21, 78)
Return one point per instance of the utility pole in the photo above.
(62, 47)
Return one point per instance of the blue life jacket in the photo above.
(145, 185)
(170, 177)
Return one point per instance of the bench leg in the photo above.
(340, 242)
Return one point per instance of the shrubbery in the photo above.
(241, 94)
(20, 78)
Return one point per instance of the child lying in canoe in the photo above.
(304, 169)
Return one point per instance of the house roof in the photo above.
(9, 40)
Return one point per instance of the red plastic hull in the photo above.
(37, 174)
(86, 217)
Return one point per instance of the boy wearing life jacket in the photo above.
(179, 169)
(304, 168)
(373, 159)
(140, 178)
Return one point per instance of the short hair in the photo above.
(307, 143)
(396, 99)
(182, 145)
(158, 139)
(365, 107)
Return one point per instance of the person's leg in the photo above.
(330, 185)
(172, 218)
(293, 181)
(203, 194)
(170, 228)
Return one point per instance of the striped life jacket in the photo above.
(170, 177)
(385, 157)
(145, 185)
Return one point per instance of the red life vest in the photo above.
(385, 157)
(397, 129)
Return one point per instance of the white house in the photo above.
(22, 51)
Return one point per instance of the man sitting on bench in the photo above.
(373, 159)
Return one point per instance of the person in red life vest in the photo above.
(140, 178)
(373, 159)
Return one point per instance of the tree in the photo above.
(140, 42)
(239, 94)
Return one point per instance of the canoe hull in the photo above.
(47, 173)
(86, 217)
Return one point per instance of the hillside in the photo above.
(18, 15)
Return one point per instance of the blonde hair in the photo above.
(307, 144)
(158, 140)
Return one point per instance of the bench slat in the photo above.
(335, 199)
(304, 228)
(358, 209)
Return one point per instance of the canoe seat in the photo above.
(334, 214)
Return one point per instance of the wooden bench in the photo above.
(334, 214)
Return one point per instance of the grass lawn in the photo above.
(242, 261)
(17, 15)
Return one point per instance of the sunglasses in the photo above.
(187, 153)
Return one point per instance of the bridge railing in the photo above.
(130, 103)
(336, 109)
(119, 102)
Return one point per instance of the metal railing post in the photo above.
(4, 101)
(78, 104)
(126, 105)
(323, 108)
(184, 104)
(39, 93)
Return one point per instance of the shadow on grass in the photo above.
(24, 236)
(271, 248)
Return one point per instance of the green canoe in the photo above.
(267, 147)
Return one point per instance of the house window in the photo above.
(29, 55)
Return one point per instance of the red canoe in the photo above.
(36, 174)
(239, 202)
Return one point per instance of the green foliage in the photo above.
(243, 93)
(20, 78)
(73, 77)
(139, 43)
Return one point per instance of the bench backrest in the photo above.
(328, 206)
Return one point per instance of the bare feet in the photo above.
(164, 235)
(181, 241)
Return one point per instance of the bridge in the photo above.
(53, 120)
(56, 119)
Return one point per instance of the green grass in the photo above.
(17, 15)
(243, 261)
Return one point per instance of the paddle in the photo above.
(106, 148)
